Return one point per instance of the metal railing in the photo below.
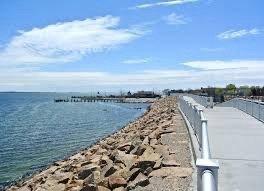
(251, 107)
(202, 100)
(207, 169)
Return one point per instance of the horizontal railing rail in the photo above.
(205, 101)
(251, 107)
(207, 169)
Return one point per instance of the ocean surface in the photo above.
(35, 131)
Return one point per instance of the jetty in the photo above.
(117, 99)
(138, 97)
(90, 99)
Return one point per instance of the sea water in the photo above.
(35, 131)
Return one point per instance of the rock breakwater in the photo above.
(152, 153)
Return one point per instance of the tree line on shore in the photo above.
(230, 91)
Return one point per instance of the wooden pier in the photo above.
(90, 99)
(115, 99)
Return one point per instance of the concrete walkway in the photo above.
(236, 141)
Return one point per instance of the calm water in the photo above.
(35, 131)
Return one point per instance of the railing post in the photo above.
(259, 114)
(211, 102)
(205, 141)
(195, 116)
(246, 107)
(207, 169)
(252, 107)
(199, 128)
(207, 166)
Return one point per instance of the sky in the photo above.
(113, 45)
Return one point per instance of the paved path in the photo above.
(237, 140)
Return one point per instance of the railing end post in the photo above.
(205, 165)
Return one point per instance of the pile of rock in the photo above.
(126, 160)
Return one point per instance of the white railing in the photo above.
(251, 107)
(207, 169)
(203, 100)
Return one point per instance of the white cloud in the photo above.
(67, 41)
(220, 73)
(163, 3)
(84, 81)
(174, 19)
(137, 61)
(200, 73)
(232, 34)
(222, 65)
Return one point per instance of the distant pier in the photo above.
(105, 99)
(90, 99)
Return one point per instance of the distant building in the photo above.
(145, 94)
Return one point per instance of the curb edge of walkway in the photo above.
(194, 147)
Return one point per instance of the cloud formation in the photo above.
(222, 65)
(232, 34)
(136, 61)
(164, 3)
(67, 41)
(199, 73)
(174, 19)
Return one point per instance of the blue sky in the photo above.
(130, 45)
